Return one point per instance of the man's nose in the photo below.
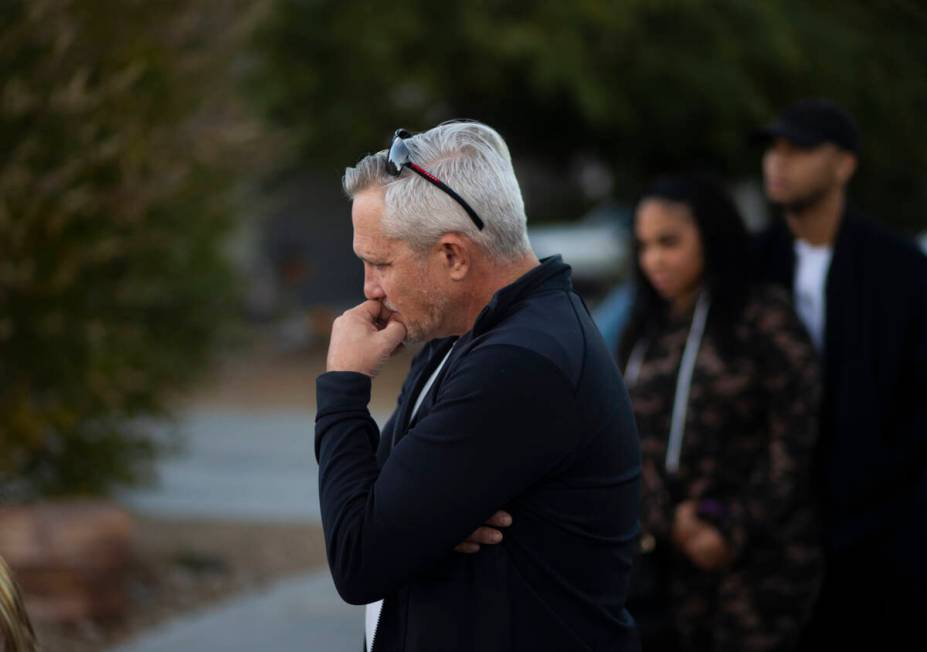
(372, 289)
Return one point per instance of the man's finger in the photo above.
(500, 519)
(370, 309)
(394, 332)
(485, 535)
(467, 548)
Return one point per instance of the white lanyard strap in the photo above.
(683, 378)
(633, 370)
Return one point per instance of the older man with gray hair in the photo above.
(513, 404)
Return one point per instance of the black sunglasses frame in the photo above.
(398, 157)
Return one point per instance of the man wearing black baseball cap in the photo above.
(810, 123)
(862, 294)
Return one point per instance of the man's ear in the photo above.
(455, 255)
(847, 167)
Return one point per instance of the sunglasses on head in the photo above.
(399, 157)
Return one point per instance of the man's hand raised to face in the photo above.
(363, 338)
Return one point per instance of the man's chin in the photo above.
(417, 335)
(797, 205)
(413, 336)
(777, 200)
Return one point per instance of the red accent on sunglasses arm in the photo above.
(425, 173)
(443, 186)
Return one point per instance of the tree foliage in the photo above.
(118, 148)
(641, 85)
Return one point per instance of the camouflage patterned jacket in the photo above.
(746, 456)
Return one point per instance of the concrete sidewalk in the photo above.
(236, 464)
(249, 465)
(303, 614)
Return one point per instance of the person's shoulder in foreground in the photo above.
(516, 406)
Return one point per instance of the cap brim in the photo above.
(788, 132)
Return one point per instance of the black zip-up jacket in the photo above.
(871, 462)
(529, 414)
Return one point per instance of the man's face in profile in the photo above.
(405, 281)
(796, 176)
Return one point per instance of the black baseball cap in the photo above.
(813, 122)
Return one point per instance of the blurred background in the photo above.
(174, 243)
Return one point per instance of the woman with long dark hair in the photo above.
(724, 386)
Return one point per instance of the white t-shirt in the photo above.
(372, 611)
(811, 266)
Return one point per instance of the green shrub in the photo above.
(120, 142)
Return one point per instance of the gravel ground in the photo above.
(181, 566)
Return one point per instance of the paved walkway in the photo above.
(251, 465)
(238, 464)
(299, 615)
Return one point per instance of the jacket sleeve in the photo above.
(781, 480)
(902, 469)
(504, 418)
(919, 427)
(910, 447)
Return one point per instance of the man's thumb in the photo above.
(394, 332)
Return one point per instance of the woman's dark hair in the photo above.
(725, 251)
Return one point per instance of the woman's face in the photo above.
(670, 248)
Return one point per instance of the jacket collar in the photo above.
(846, 230)
(781, 268)
(551, 274)
(847, 235)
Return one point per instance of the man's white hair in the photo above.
(474, 161)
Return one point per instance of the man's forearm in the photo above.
(345, 445)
